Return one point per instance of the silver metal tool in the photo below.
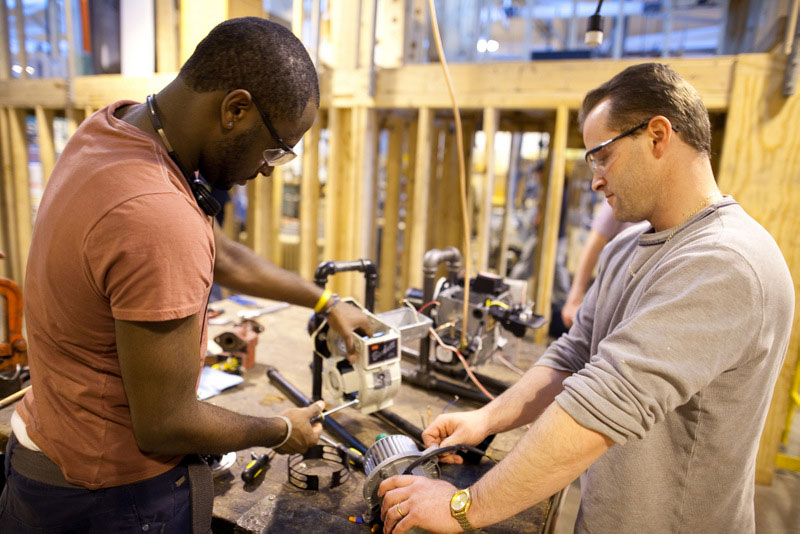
(323, 415)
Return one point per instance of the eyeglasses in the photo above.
(600, 165)
(275, 156)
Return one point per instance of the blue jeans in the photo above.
(157, 505)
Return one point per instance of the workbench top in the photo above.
(271, 503)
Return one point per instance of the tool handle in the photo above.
(255, 468)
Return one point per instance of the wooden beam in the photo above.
(47, 149)
(391, 218)
(22, 195)
(197, 21)
(22, 55)
(167, 36)
(438, 135)
(8, 215)
(415, 30)
(338, 197)
(390, 32)
(410, 164)
(258, 210)
(416, 227)
(309, 202)
(759, 163)
(490, 120)
(345, 32)
(552, 216)
(5, 51)
(275, 216)
(526, 85)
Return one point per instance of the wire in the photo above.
(499, 356)
(428, 304)
(463, 362)
(446, 406)
(461, 166)
(599, 5)
(441, 450)
(416, 312)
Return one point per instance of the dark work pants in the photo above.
(157, 505)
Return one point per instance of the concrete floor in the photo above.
(777, 506)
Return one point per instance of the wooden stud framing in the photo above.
(490, 121)
(47, 150)
(8, 212)
(415, 30)
(415, 228)
(22, 194)
(760, 158)
(391, 215)
(411, 151)
(511, 185)
(5, 51)
(275, 215)
(22, 57)
(309, 202)
(257, 215)
(197, 21)
(552, 215)
(167, 36)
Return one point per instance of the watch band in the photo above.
(461, 515)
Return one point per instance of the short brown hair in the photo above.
(650, 89)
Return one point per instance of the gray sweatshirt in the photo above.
(676, 350)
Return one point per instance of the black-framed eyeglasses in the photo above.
(275, 156)
(599, 166)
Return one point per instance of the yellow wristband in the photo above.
(323, 300)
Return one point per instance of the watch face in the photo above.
(460, 501)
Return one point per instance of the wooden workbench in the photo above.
(272, 504)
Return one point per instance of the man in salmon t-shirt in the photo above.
(123, 255)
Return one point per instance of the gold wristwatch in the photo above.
(459, 505)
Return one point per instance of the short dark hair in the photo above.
(650, 89)
(257, 55)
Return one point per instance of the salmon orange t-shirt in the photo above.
(118, 236)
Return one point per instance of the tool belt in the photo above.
(37, 466)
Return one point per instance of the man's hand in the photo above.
(346, 319)
(412, 501)
(454, 429)
(304, 434)
(569, 310)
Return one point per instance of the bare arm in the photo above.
(521, 404)
(160, 362)
(240, 269)
(550, 455)
(583, 274)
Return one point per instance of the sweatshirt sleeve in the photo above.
(696, 320)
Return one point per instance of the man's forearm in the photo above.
(517, 407)
(238, 268)
(550, 455)
(208, 429)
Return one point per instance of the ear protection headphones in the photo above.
(202, 195)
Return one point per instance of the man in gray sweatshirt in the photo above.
(659, 392)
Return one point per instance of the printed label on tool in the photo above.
(382, 379)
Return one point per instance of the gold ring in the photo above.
(399, 511)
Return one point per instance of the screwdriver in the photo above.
(323, 415)
(355, 457)
(257, 465)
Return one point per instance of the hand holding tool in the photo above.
(323, 415)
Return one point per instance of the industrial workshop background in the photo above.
(378, 176)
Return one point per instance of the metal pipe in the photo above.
(297, 397)
(430, 263)
(430, 382)
(492, 384)
(328, 268)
